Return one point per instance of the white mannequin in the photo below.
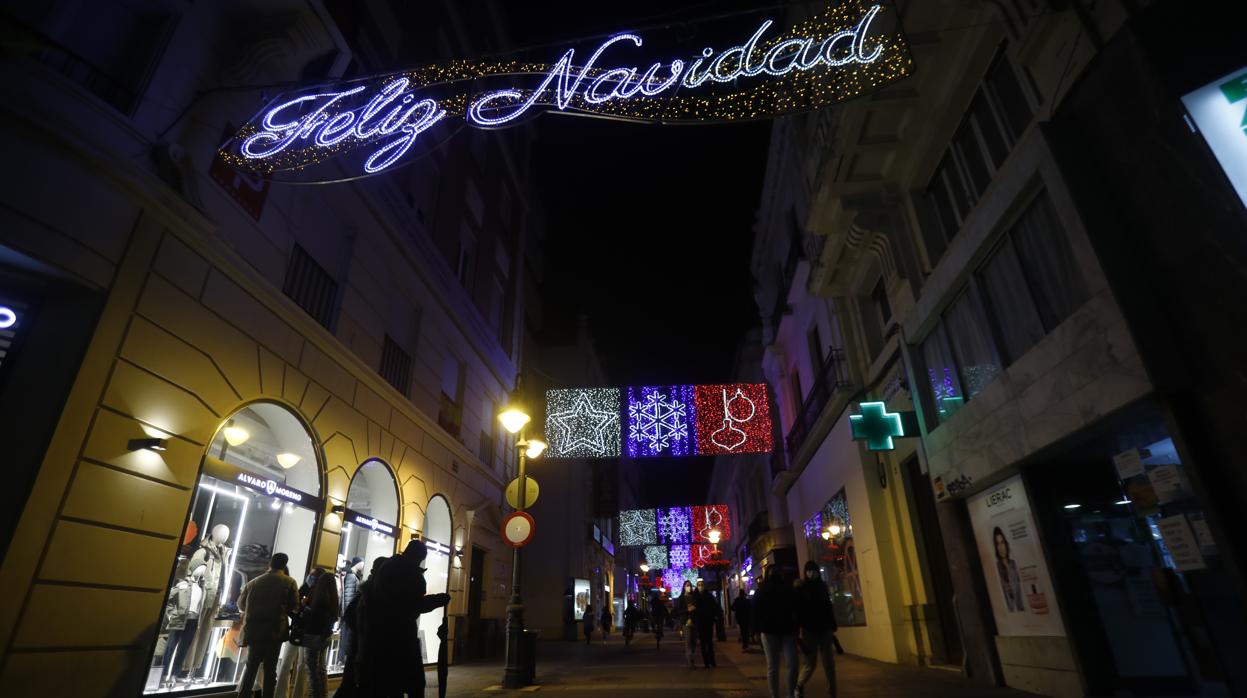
(213, 554)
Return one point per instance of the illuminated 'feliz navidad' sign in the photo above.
(355, 128)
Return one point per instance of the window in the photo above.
(816, 348)
(1011, 305)
(836, 557)
(1044, 251)
(395, 365)
(311, 287)
(946, 395)
(883, 309)
(450, 409)
(465, 262)
(116, 46)
(972, 343)
(1009, 99)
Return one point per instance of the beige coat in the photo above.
(267, 602)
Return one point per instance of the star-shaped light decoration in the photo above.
(583, 422)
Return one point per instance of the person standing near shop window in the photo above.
(588, 619)
(267, 603)
(318, 619)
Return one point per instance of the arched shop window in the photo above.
(258, 494)
(437, 534)
(369, 530)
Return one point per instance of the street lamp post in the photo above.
(514, 419)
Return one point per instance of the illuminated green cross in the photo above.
(876, 426)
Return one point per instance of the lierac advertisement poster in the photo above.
(1018, 582)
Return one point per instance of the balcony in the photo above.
(830, 379)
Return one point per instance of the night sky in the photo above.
(649, 227)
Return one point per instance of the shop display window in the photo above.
(369, 532)
(829, 541)
(258, 494)
(437, 535)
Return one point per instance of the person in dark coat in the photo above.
(743, 608)
(606, 621)
(390, 646)
(704, 619)
(775, 617)
(817, 620)
(350, 641)
(658, 616)
(267, 602)
(588, 618)
(319, 616)
(631, 618)
(685, 615)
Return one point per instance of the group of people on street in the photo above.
(796, 618)
(379, 631)
(604, 624)
(698, 614)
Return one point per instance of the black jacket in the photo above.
(814, 610)
(774, 608)
(743, 608)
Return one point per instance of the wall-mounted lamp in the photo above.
(148, 444)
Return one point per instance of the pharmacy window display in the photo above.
(829, 542)
(258, 494)
(369, 532)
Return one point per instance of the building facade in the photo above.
(214, 367)
(992, 244)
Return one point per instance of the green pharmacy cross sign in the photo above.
(878, 427)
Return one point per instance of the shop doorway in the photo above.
(369, 530)
(437, 536)
(476, 596)
(946, 647)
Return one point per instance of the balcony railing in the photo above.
(831, 378)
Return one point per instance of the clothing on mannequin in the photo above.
(182, 621)
(213, 555)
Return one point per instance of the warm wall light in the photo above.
(236, 436)
(338, 509)
(535, 448)
(287, 460)
(714, 536)
(149, 444)
(513, 419)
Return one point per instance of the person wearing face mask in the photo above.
(817, 620)
(704, 620)
(685, 614)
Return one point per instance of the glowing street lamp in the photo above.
(514, 419)
(644, 568)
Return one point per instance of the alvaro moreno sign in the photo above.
(355, 128)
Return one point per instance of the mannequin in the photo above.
(213, 555)
(182, 618)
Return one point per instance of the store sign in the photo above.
(1018, 583)
(876, 426)
(267, 486)
(849, 49)
(363, 521)
(1220, 111)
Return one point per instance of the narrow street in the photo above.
(575, 669)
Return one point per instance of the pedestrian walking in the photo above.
(352, 578)
(659, 619)
(391, 609)
(685, 608)
(318, 618)
(606, 621)
(631, 616)
(588, 619)
(817, 621)
(349, 645)
(743, 609)
(775, 616)
(266, 603)
(704, 619)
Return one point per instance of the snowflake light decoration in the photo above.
(679, 557)
(709, 517)
(583, 423)
(733, 418)
(675, 526)
(660, 421)
(656, 557)
(637, 527)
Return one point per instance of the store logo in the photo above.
(999, 497)
(270, 487)
(369, 522)
(851, 48)
(1219, 111)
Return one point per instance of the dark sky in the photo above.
(649, 227)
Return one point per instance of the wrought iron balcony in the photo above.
(831, 378)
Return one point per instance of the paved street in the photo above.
(612, 669)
